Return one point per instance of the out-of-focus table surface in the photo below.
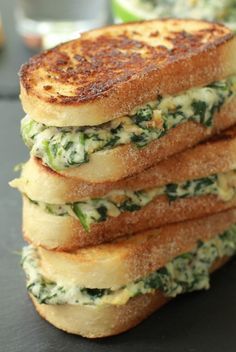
(12, 55)
(198, 322)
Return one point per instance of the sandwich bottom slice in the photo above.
(108, 289)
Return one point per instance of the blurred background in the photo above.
(28, 26)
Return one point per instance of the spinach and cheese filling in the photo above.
(116, 202)
(185, 273)
(64, 147)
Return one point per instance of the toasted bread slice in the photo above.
(119, 263)
(126, 160)
(94, 322)
(107, 320)
(109, 71)
(65, 233)
(116, 264)
(218, 155)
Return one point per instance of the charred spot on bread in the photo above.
(92, 66)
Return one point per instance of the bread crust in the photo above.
(110, 71)
(212, 157)
(116, 264)
(65, 233)
(96, 322)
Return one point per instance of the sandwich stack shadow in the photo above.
(129, 195)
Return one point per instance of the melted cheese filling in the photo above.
(185, 273)
(66, 147)
(116, 202)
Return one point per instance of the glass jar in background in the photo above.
(45, 23)
(212, 10)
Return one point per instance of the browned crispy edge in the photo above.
(120, 98)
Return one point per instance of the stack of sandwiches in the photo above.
(129, 195)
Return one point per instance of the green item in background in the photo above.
(126, 11)
(218, 10)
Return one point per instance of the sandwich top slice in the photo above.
(129, 278)
(115, 101)
(69, 215)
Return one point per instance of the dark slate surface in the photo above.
(199, 322)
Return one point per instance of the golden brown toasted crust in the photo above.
(126, 160)
(94, 322)
(116, 264)
(212, 157)
(108, 72)
(65, 233)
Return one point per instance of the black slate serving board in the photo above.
(198, 322)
